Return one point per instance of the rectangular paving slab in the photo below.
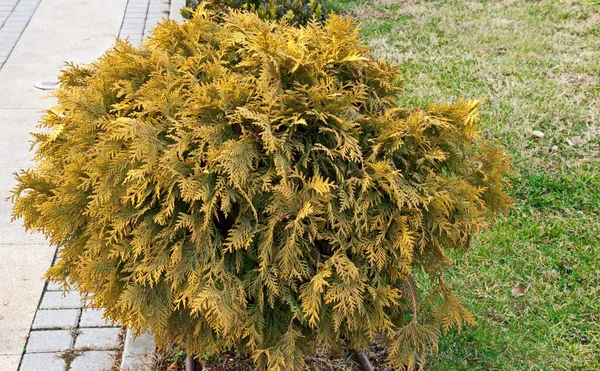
(93, 361)
(98, 338)
(43, 361)
(60, 300)
(55, 318)
(93, 318)
(49, 341)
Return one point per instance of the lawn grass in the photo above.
(537, 65)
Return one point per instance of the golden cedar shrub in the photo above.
(242, 184)
(295, 11)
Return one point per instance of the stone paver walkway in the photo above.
(65, 336)
(14, 17)
(140, 17)
(36, 37)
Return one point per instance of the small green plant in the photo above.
(295, 11)
(177, 355)
(245, 185)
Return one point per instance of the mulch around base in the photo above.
(318, 362)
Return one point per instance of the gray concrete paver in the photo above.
(60, 300)
(49, 341)
(93, 318)
(43, 361)
(93, 361)
(98, 338)
(56, 318)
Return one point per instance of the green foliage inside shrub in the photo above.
(241, 184)
(296, 11)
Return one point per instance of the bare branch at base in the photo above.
(190, 364)
(364, 361)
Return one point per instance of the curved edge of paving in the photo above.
(136, 350)
(175, 10)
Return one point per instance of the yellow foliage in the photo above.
(238, 183)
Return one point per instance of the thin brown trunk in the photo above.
(364, 361)
(190, 364)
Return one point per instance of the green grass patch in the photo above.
(535, 64)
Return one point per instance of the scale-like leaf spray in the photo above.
(239, 183)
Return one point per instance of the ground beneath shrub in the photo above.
(233, 362)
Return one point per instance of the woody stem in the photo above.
(362, 358)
